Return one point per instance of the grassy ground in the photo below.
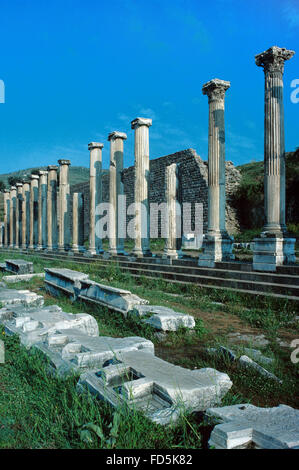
(38, 411)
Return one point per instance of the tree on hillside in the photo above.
(2, 186)
(13, 180)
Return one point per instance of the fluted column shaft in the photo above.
(215, 89)
(173, 201)
(42, 210)
(33, 236)
(13, 197)
(52, 223)
(19, 215)
(25, 215)
(272, 61)
(95, 186)
(6, 218)
(78, 222)
(64, 238)
(116, 190)
(141, 186)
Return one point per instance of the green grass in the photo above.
(40, 411)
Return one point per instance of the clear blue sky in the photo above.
(75, 70)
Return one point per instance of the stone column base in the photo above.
(268, 253)
(173, 254)
(216, 249)
(141, 254)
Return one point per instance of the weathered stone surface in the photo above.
(248, 363)
(19, 266)
(258, 356)
(158, 388)
(164, 318)
(117, 299)
(34, 324)
(71, 349)
(60, 280)
(247, 425)
(255, 340)
(20, 297)
(21, 277)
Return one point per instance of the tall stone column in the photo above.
(95, 184)
(78, 223)
(173, 200)
(274, 247)
(42, 210)
(13, 197)
(19, 198)
(52, 222)
(116, 190)
(1, 234)
(217, 244)
(64, 238)
(33, 234)
(25, 215)
(141, 187)
(6, 218)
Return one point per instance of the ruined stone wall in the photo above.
(194, 180)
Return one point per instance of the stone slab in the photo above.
(247, 363)
(20, 297)
(247, 425)
(116, 299)
(35, 324)
(63, 281)
(160, 389)
(164, 318)
(21, 277)
(19, 266)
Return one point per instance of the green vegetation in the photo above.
(42, 411)
(249, 197)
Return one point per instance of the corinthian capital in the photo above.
(273, 59)
(215, 89)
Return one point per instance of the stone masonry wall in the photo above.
(194, 181)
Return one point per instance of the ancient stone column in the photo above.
(6, 218)
(42, 210)
(33, 232)
(1, 234)
(95, 182)
(78, 223)
(13, 197)
(25, 215)
(274, 247)
(116, 190)
(52, 223)
(64, 238)
(217, 244)
(19, 198)
(141, 186)
(174, 222)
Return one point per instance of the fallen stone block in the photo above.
(163, 318)
(21, 277)
(63, 281)
(160, 389)
(2, 267)
(19, 266)
(72, 350)
(20, 297)
(258, 356)
(116, 299)
(248, 363)
(250, 426)
(34, 324)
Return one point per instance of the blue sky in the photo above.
(76, 70)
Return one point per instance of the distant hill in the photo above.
(78, 174)
(249, 197)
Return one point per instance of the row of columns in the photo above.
(272, 248)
